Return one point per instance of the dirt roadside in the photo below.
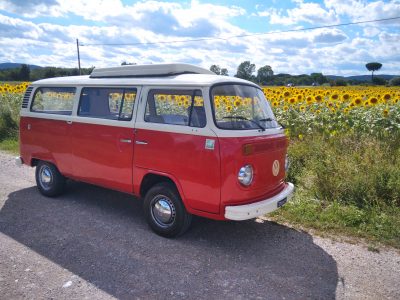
(94, 243)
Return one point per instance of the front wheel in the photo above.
(165, 211)
(49, 180)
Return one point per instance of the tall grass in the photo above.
(9, 120)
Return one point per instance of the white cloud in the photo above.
(304, 12)
(329, 50)
(359, 10)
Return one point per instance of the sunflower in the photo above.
(385, 112)
(228, 108)
(286, 94)
(373, 100)
(334, 97)
(318, 98)
(345, 97)
(386, 97)
(357, 101)
(237, 103)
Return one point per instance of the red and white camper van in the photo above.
(185, 140)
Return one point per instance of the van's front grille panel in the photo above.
(27, 95)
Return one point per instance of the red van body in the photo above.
(137, 142)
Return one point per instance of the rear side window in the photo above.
(107, 103)
(54, 100)
(177, 107)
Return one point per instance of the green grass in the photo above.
(347, 184)
(373, 224)
(10, 145)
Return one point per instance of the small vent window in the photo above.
(27, 95)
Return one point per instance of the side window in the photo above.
(54, 100)
(107, 103)
(177, 107)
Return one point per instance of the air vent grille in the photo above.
(27, 95)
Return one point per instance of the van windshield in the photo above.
(241, 107)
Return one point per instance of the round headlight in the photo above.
(245, 175)
(287, 163)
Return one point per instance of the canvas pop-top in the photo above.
(186, 141)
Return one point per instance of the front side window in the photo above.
(54, 100)
(177, 107)
(107, 103)
(241, 107)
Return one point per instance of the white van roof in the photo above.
(156, 74)
(148, 70)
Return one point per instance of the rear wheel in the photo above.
(165, 211)
(49, 180)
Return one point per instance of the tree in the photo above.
(124, 63)
(373, 66)
(318, 78)
(395, 81)
(218, 70)
(24, 73)
(264, 74)
(224, 72)
(246, 70)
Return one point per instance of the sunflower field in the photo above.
(344, 151)
(335, 110)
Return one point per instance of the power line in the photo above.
(241, 36)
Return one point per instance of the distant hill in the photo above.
(362, 78)
(4, 66)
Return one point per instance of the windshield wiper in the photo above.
(245, 119)
(270, 120)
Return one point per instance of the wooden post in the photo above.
(79, 58)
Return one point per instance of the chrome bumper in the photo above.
(18, 161)
(253, 210)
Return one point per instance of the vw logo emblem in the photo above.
(275, 168)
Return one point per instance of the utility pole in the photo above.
(79, 58)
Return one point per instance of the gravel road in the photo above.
(94, 243)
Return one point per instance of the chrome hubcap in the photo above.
(163, 211)
(45, 177)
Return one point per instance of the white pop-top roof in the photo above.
(148, 70)
(181, 78)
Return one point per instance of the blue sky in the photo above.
(44, 33)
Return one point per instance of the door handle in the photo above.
(141, 143)
(69, 122)
(125, 141)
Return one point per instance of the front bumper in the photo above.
(253, 210)
(18, 161)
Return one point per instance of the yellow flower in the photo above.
(373, 100)
(385, 112)
(318, 98)
(335, 97)
(237, 103)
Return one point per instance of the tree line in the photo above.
(246, 70)
(265, 75)
(25, 73)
